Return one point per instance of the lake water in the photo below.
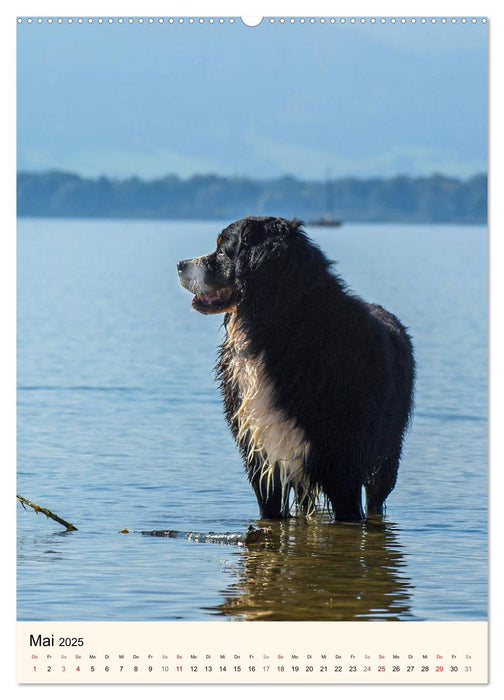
(120, 425)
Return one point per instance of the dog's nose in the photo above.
(181, 265)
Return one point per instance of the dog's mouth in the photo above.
(216, 301)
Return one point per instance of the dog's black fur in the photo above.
(337, 370)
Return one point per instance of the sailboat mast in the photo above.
(329, 198)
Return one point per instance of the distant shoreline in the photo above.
(224, 220)
(436, 199)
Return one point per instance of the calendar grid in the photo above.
(216, 652)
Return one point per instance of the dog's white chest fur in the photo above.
(265, 430)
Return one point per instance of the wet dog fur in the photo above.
(317, 384)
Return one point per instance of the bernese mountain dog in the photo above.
(317, 384)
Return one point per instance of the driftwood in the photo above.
(38, 509)
(251, 536)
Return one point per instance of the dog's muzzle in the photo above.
(208, 299)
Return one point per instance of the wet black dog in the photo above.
(317, 384)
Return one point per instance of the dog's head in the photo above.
(254, 247)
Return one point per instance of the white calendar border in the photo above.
(227, 8)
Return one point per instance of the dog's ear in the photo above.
(260, 242)
(251, 249)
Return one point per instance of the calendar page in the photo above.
(252, 349)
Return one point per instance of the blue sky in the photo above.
(148, 100)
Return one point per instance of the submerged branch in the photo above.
(261, 535)
(252, 536)
(38, 509)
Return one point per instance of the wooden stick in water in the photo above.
(38, 509)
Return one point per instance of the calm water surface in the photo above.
(120, 426)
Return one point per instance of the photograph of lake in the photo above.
(121, 426)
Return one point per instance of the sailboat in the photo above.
(328, 219)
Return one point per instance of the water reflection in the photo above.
(322, 571)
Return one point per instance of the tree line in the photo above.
(434, 199)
